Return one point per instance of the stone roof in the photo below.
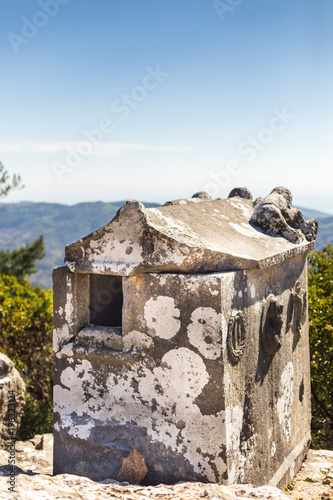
(191, 235)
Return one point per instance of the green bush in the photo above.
(21, 262)
(321, 345)
(26, 338)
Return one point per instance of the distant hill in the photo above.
(309, 213)
(63, 224)
(325, 232)
(325, 225)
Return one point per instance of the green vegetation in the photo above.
(21, 261)
(26, 338)
(26, 325)
(80, 469)
(321, 345)
(291, 486)
(8, 183)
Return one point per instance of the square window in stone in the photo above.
(106, 300)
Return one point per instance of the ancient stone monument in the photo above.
(182, 332)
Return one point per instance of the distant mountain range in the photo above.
(63, 224)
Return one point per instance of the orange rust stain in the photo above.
(139, 281)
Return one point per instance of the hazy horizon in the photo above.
(124, 200)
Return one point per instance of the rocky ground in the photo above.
(35, 481)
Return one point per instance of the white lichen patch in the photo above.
(76, 430)
(245, 230)
(162, 280)
(234, 422)
(136, 340)
(69, 307)
(247, 212)
(67, 351)
(236, 457)
(224, 332)
(124, 251)
(105, 267)
(100, 336)
(60, 337)
(71, 266)
(204, 332)
(161, 317)
(159, 399)
(163, 254)
(77, 384)
(171, 226)
(174, 386)
(285, 401)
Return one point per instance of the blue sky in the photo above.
(157, 99)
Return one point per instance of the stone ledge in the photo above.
(291, 463)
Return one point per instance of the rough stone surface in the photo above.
(194, 383)
(67, 486)
(242, 192)
(313, 482)
(35, 455)
(205, 374)
(276, 216)
(133, 469)
(195, 235)
(315, 479)
(10, 409)
(203, 195)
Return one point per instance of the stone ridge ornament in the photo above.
(242, 192)
(170, 338)
(297, 309)
(276, 216)
(236, 337)
(272, 326)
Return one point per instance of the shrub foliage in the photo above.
(26, 338)
(21, 261)
(321, 345)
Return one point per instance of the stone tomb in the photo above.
(182, 332)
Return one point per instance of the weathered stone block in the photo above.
(71, 294)
(206, 375)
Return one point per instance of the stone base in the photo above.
(291, 465)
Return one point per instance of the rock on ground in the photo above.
(133, 469)
(66, 486)
(35, 482)
(10, 408)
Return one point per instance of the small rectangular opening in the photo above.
(106, 300)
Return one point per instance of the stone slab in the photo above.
(190, 237)
(211, 380)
